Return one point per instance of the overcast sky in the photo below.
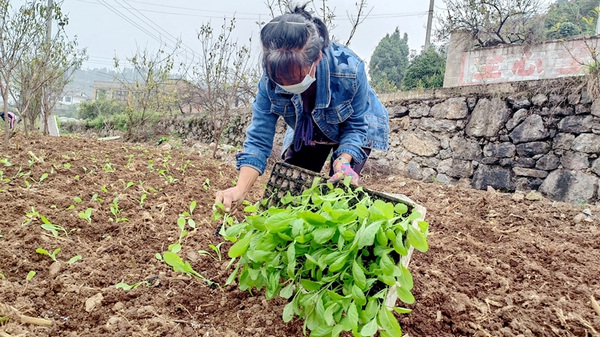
(118, 27)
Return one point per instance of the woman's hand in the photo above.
(234, 196)
(342, 169)
(230, 197)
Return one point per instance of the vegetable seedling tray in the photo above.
(293, 179)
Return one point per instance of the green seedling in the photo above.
(5, 161)
(95, 197)
(143, 199)
(30, 275)
(52, 228)
(87, 215)
(67, 165)
(108, 168)
(74, 259)
(217, 249)
(206, 185)
(334, 253)
(2, 277)
(45, 252)
(184, 219)
(115, 210)
(179, 265)
(125, 286)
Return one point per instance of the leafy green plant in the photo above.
(216, 249)
(74, 259)
(173, 260)
(184, 219)
(86, 215)
(51, 255)
(115, 210)
(30, 275)
(335, 253)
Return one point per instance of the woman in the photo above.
(321, 90)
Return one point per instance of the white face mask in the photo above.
(301, 87)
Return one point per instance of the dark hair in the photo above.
(291, 42)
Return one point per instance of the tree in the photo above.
(224, 74)
(151, 92)
(18, 29)
(44, 72)
(570, 18)
(326, 13)
(491, 22)
(425, 71)
(389, 62)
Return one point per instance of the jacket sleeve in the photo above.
(260, 133)
(353, 131)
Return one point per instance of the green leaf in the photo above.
(288, 312)
(350, 322)
(287, 291)
(232, 276)
(328, 315)
(278, 222)
(402, 310)
(370, 328)
(359, 276)
(400, 208)
(124, 286)
(322, 235)
(388, 322)
(405, 295)
(339, 262)
(310, 285)
(417, 239)
(366, 235)
(174, 261)
(358, 295)
(74, 259)
(240, 247)
(313, 218)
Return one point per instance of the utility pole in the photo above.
(429, 20)
(43, 117)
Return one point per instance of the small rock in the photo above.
(118, 306)
(491, 189)
(93, 302)
(533, 196)
(518, 196)
(55, 268)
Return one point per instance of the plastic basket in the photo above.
(293, 179)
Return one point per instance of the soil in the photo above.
(499, 264)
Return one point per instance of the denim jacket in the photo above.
(346, 110)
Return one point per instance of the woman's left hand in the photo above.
(342, 169)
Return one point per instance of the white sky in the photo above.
(119, 27)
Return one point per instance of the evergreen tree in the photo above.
(389, 62)
(425, 71)
(565, 18)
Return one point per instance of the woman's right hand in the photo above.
(230, 197)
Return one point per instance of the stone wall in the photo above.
(507, 63)
(532, 138)
(536, 135)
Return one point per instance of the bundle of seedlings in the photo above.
(339, 254)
